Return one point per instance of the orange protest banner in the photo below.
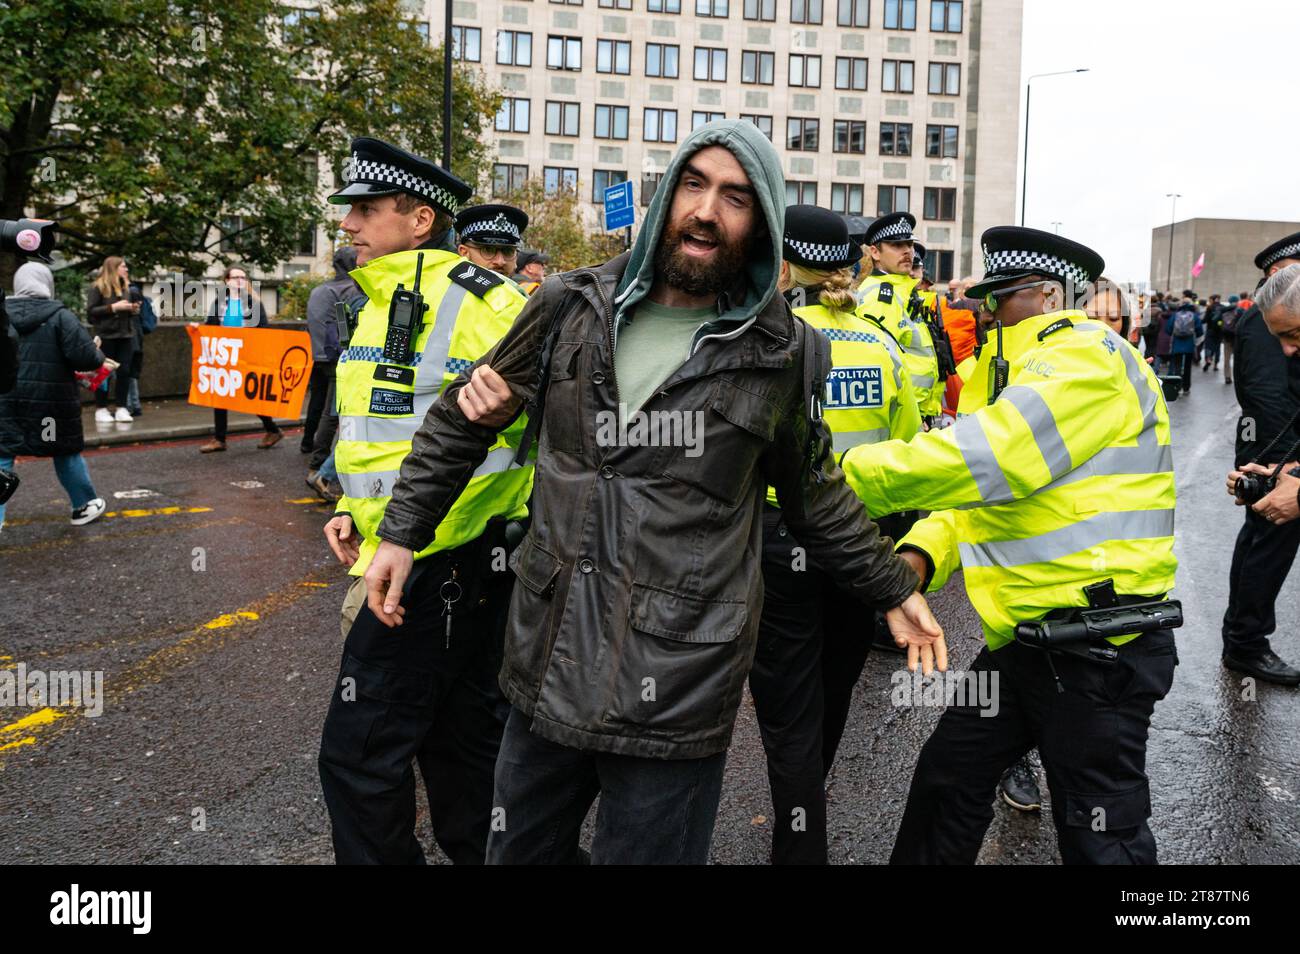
(255, 370)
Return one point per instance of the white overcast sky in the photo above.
(1195, 97)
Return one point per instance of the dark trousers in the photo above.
(323, 441)
(221, 423)
(1182, 365)
(813, 640)
(413, 693)
(121, 350)
(652, 811)
(322, 380)
(1092, 738)
(1261, 561)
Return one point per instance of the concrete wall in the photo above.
(1230, 247)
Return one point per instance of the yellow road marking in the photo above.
(306, 500)
(230, 619)
(38, 719)
(157, 512)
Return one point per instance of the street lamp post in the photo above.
(446, 89)
(1169, 263)
(1024, 182)
(1057, 227)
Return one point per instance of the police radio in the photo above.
(999, 371)
(343, 322)
(405, 316)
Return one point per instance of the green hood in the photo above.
(763, 166)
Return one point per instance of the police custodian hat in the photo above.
(1012, 252)
(1288, 247)
(894, 227)
(377, 168)
(492, 225)
(817, 238)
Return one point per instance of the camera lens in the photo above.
(1252, 488)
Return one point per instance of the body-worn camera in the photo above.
(1252, 488)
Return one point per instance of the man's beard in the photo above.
(691, 275)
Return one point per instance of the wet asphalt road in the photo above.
(211, 603)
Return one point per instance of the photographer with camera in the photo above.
(1267, 383)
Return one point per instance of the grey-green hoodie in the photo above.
(761, 163)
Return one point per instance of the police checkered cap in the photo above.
(817, 238)
(815, 253)
(498, 226)
(1012, 260)
(383, 173)
(896, 227)
(1288, 247)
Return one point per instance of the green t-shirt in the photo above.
(651, 346)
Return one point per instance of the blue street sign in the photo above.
(620, 213)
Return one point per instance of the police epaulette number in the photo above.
(886, 293)
(1054, 327)
(478, 280)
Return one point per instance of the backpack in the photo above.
(1230, 316)
(1185, 324)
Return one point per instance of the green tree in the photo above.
(556, 227)
(141, 125)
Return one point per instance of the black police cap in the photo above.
(1288, 247)
(378, 168)
(894, 227)
(1012, 252)
(492, 225)
(817, 238)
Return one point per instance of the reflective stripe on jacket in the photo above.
(1065, 480)
(381, 404)
(885, 299)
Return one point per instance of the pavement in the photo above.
(166, 419)
(210, 602)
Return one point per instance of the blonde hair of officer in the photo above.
(837, 290)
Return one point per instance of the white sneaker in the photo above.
(103, 416)
(123, 416)
(91, 511)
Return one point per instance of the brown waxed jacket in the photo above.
(635, 615)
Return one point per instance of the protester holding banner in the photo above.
(237, 307)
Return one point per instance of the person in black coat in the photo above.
(237, 307)
(41, 416)
(113, 307)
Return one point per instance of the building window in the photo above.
(615, 4)
(649, 186)
(572, 3)
(764, 123)
(896, 76)
(563, 53)
(711, 8)
(938, 265)
(850, 72)
(806, 11)
(611, 122)
(561, 119)
(800, 193)
(555, 178)
(941, 142)
(892, 199)
(945, 16)
(895, 139)
(231, 227)
(663, 6)
(307, 242)
(757, 66)
(699, 118)
(945, 79)
(900, 14)
(805, 70)
(614, 56)
(801, 134)
(507, 178)
(513, 115)
(514, 48)
(846, 197)
(660, 125)
(760, 9)
(710, 64)
(853, 13)
(850, 136)
(602, 179)
(466, 43)
(421, 28)
(661, 59)
(940, 204)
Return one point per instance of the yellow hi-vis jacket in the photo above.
(1065, 480)
(381, 404)
(869, 397)
(886, 299)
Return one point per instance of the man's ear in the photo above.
(424, 222)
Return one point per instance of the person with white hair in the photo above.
(41, 416)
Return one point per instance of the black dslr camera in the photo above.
(1252, 488)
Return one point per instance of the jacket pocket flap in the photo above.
(746, 410)
(686, 619)
(410, 687)
(1108, 811)
(562, 359)
(535, 567)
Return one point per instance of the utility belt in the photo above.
(1085, 631)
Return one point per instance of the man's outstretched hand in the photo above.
(914, 627)
(385, 577)
(486, 399)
